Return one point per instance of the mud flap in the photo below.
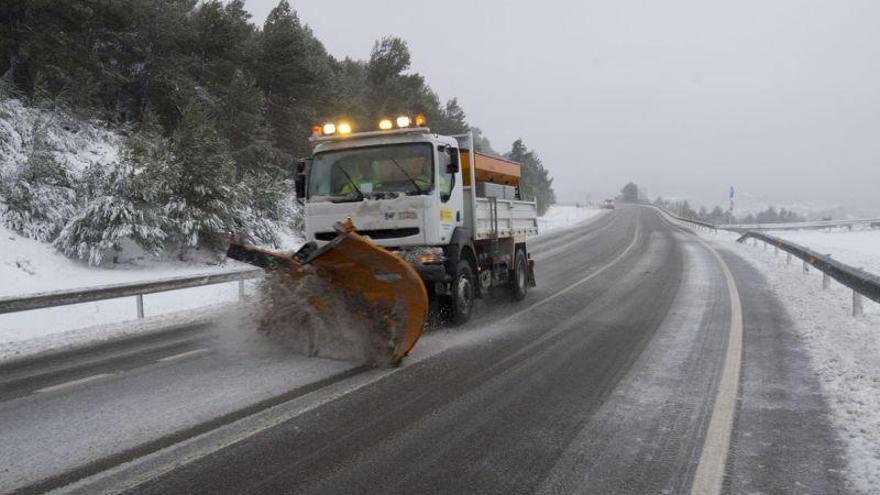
(382, 289)
(531, 264)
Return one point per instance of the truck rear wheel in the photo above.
(519, 282)
(461, 302)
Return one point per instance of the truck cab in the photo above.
(454, 214)
(400, 189)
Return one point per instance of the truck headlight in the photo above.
(432, 258)
(423, 255)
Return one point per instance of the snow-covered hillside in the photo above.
(48, 160)
(73, 142)
(28, 266)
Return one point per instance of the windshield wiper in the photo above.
(419, 189)
(351, 183)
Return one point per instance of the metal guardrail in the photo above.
(861, 282)
(819, 224)
(114, 291)
(698, 223)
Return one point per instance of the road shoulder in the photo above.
(783, 439)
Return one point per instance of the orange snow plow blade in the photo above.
(384, 293)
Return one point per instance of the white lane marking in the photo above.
(165, 461)
(583, 280)
(709, 476)
(564, 245)
(71, 383)
(181, 355)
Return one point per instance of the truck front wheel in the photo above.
(461, 301)
(519, 282)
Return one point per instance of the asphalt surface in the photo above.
(602, 381)
(783, 441)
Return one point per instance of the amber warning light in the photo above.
(344, 127)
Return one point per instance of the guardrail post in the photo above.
(858, 309)
(765, 246)
(806, 267)
(826, 281)
(241, 290)
(788, 259)
(140, 305)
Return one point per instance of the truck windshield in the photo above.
(378, 171)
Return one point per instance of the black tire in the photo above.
(460, 304)
(519, 280)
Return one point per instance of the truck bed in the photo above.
(502, 218)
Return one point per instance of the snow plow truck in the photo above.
(399, 216)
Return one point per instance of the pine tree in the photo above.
(293, 70)
(263, 207)
(481, 142)
(535, 182)
(453, 119)
(392, 91)
(630, 192)
(40, 196)
(124, 202)
(123, 212)
(199, 178)
(347, 96)
(241, 120)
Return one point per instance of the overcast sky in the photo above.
(780, 98)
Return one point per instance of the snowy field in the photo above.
(845, 351)
(562, 216)
(858, 248)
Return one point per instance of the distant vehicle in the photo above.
(608, 204)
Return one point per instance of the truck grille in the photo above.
(373, 234)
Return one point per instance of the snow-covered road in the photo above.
(545, 390)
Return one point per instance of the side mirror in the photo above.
(454, 162)
(299, 178)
